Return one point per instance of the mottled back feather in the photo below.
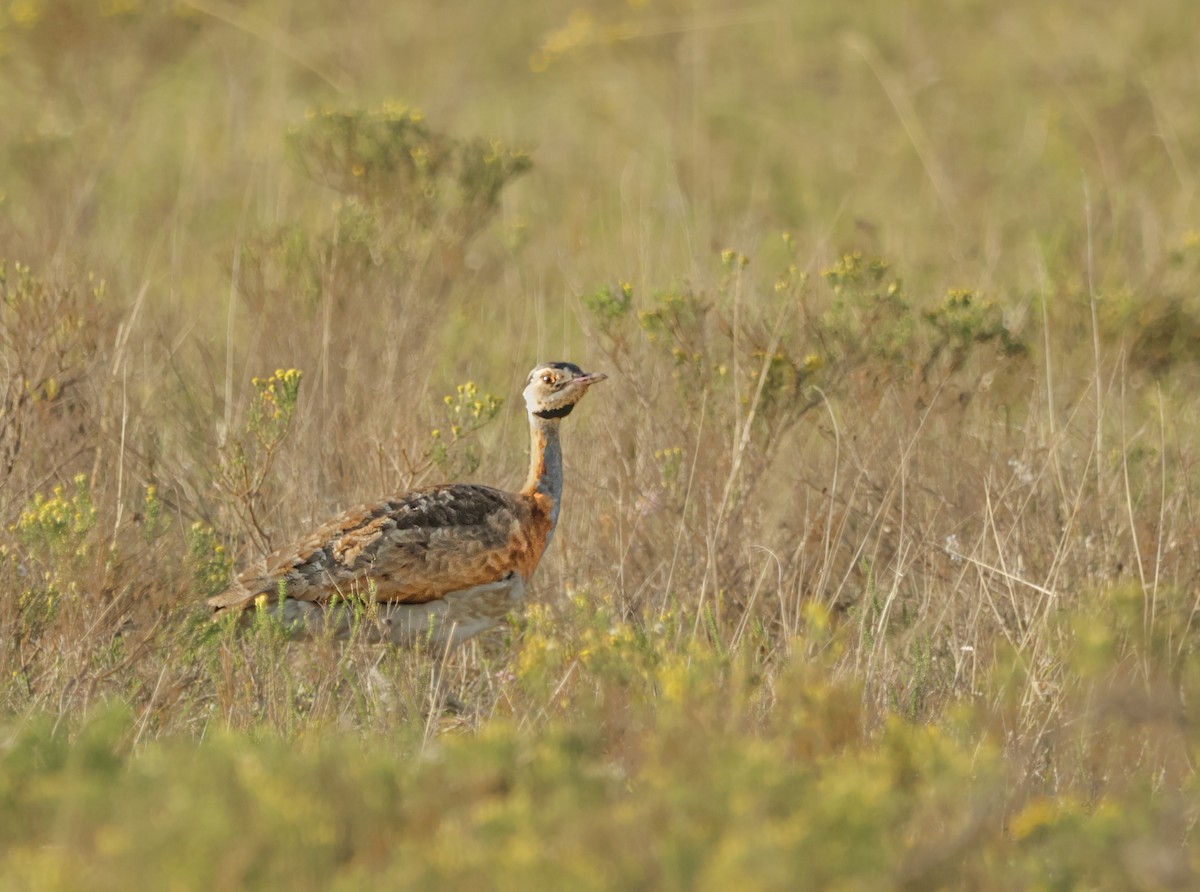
(413, 548)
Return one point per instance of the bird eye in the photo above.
(547, 378)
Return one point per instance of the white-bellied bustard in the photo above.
(443, 564)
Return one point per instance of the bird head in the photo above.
(554, 388)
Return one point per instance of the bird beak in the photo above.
(591, 378)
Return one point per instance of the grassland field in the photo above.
(878, 566)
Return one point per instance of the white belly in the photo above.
(447, 621)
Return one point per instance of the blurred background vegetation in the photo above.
(878, 564)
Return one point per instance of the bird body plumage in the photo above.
(440, 564)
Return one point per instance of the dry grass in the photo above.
(878, 560)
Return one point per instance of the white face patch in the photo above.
(541, 395)
(532, 401)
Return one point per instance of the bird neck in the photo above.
(545, 462)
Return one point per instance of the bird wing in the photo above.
(411, 549)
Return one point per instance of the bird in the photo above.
(436, 565)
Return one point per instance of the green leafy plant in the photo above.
(466, 411)
(964, 320)
(869, 319)
(207, 560)
(247, 458)
(56, 534)
(392, 161)
(48, 339)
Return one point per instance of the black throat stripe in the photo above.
(562, 412)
